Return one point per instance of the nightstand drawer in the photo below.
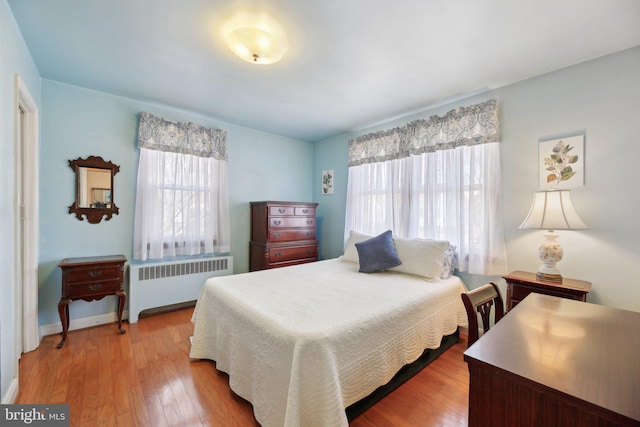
(106, 272)
(521, 283)
(93, 288)
(519, 292)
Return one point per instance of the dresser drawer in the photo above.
(290, 263)
(293, 253)
(292, 211)
(281, 210)
(292, 235)
(292, 222)
(94, 273)
(93, 288)
(305, 211)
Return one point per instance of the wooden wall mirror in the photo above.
(94, 189)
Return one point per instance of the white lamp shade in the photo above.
(552, 210)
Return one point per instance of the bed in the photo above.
(303, 343)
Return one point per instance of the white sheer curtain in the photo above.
(182, 205)
(448, 191)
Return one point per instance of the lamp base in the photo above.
(549, 252)
(546, 277)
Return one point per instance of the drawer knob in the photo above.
(281, 210)
(96, 273)
(305, 210)
(309, 221)
(309, 251)
(94, 288)
(277, 255)
(309, 233)
(276, 235)
(277, 222)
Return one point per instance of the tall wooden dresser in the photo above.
(282, 234)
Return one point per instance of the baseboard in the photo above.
(82, 322)
(11, 394)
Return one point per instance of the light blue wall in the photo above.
(330, 154)
(14, 58)
(77, 122)
(600, 99)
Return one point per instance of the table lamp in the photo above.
(551, 210)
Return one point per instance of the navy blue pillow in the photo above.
(377, 253)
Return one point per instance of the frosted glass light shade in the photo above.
(551, 210)
(255, 45)
(254, 36)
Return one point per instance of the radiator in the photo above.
(153, 285)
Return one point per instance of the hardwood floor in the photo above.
(145, 378)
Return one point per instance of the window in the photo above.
(445, 191)
(182, 202)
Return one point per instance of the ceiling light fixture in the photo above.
(254, 45)
(255, 38)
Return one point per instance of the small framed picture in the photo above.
(327, 182)
(561, 163)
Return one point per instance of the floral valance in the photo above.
(155, 133)
(475, 124)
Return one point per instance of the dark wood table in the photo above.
(557, 362)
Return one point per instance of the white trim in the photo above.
(83, 322)
(11, 394)
(27, 337)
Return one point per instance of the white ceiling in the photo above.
(351, 63)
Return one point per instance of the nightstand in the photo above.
(89, 279)
(522, 283)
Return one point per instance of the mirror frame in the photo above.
(93, 215)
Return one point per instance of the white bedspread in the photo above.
(302, 343)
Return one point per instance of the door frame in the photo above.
(26, 162)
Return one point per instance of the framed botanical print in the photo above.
(561, 163)
(327, 181)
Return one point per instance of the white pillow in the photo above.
(420, 257)
(350, 251)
